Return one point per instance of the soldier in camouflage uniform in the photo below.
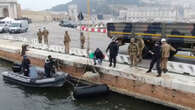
(141, 45)
(67, 41)
(45, 35)
(39, 34)
(166, 48)
(133, 52)
(82, 38)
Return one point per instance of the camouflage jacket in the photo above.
(133, 49)
(66, 38)
(166, 48)
(140, 43)
(39, 33)
(45, 33)
(82, 38)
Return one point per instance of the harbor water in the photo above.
(16, 97)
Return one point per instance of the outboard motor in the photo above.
(90, 91)
(16, 68)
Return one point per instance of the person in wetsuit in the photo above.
(49, 66)
(26, 65)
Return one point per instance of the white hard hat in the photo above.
(113, 38)
(163, 40)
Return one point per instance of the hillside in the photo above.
(97, 6)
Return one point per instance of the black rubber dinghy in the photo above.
(57, 81)
(17, 77)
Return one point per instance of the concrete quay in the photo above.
(183, 67)
(173, 90)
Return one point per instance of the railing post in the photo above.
(163, 33)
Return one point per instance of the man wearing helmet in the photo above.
(166, 48)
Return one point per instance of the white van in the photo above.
(4, 27)
(18, 26)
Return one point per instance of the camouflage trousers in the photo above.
(140, 58)
(67, 47)
(40, 39)
(164, 61)
(82, 45)
(133, 60)
(46, 40)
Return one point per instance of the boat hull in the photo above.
(57, 81)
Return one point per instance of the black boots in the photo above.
(148, 71)
(165, 70)
(113, 66)
(159, 75)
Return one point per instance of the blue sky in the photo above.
(40, 4)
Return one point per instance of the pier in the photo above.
(174, 90)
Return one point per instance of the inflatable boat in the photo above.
(17, 77)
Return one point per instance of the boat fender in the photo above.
(90, 91)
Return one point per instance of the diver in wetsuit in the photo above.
(26, 65)
(49, 66)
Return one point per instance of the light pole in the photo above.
(88, 38)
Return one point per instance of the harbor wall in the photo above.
(167, 90)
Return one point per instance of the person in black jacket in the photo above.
(98, 56)
(113, 49)
(49, 66)
(26, 65)
(156, 57)
(24, 49)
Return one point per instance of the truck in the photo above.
(68, 24)
(179, 35)
(18, 26)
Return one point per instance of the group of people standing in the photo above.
(160, 54)
(160, 51)
(67, 39)
(135, 49)
(43, 36)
